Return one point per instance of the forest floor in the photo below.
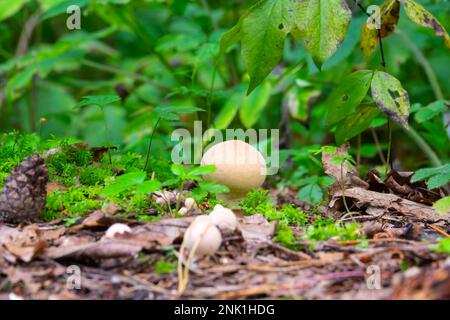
(393, 253)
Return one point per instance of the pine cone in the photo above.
(23, 196)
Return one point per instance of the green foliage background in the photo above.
(168, 53)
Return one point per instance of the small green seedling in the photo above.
(169, 113)
(134, 181)
(435, 177)
(184, 174)
(101, 102)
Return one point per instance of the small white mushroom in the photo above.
(183, 211)
(115, 229)
(224, 219)
(239, 166)
(206, 233)
(190, 204)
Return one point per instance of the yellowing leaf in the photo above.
(390, 97)
(323, 25)
(424, 18)
(388, 16)
(442, 206)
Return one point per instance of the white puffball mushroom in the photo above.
(183, 211)
(224, 219)
(115, 229)
(190, 204)
(210, 237)
(239, 166)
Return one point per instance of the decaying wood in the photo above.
(413, 210)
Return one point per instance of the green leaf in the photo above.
(323, 25)
(312, 193)
(170, 112)
(202, 170)
(229, 110)
(429, 172)
(348, 95)
(390, 97)
(178, 170)
(149, 186)
(389, 16)
(123, 183)
(431, 111)
(262, 33)
(442, 206)
(436, 177)
(212, 187)
(443, 246)
(355, 123)
(438, 180)
(418, 14)
(101, 101)
(254, 104)
(10, 8)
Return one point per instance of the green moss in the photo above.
(325, 229)
(92, 176)
(255, 202)
(75, 201)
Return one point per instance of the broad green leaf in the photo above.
(254, 104)
(311, 193)
(442, 206)
(388, 16)
(390, 97)
(229, 110)
(231, 37)
(437, 177)
(9, 8)
(428, 172)
(178, 170)
(101, 101)
(123, 183)
(262, 33)
(149, 186)
(417, 13)
(345, 98)
(431, 111)
(356, 123)
(212, 187)
(438, 180)
(202, 170)
(170, 112)
(323, 25)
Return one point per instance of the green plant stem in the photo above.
(108, 136)
(388, 158)
(211, 94)
(423, 145)
(147, 157)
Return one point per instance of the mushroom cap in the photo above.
(239, 166)
(117, 228)
(224, 219)
(211, 239)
